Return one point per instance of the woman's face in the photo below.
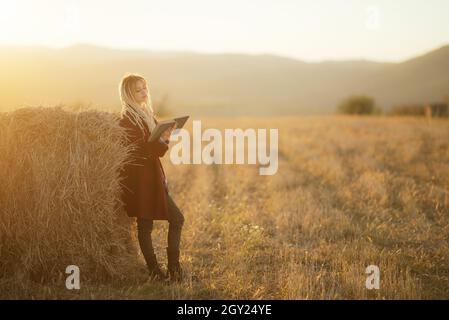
(140, 92)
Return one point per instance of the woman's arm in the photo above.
(157, 148)
(135, 136)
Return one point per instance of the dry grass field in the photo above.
(349, 192)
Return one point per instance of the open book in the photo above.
(167, 124)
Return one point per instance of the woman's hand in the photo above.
(167, 133)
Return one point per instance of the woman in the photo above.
(145, 191)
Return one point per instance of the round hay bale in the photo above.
(59, 196)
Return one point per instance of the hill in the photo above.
(215, 84)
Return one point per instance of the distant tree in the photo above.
(437, 109)
(440, 109)
(359, 105)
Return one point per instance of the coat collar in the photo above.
(147, 129)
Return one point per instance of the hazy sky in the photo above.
(385, 30)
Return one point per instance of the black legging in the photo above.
(145, 227)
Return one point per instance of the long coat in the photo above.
(144, 184)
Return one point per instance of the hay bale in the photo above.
(59, 195)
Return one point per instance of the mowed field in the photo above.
(349, 192)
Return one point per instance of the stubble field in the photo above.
(349, 192)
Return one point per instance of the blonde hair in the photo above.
(139, 114)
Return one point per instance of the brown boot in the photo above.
(174, 272)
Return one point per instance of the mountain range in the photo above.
(215, 84)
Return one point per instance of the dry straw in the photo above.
(59, 196)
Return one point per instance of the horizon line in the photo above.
(190, 51)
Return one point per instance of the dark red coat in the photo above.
(144, 185)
